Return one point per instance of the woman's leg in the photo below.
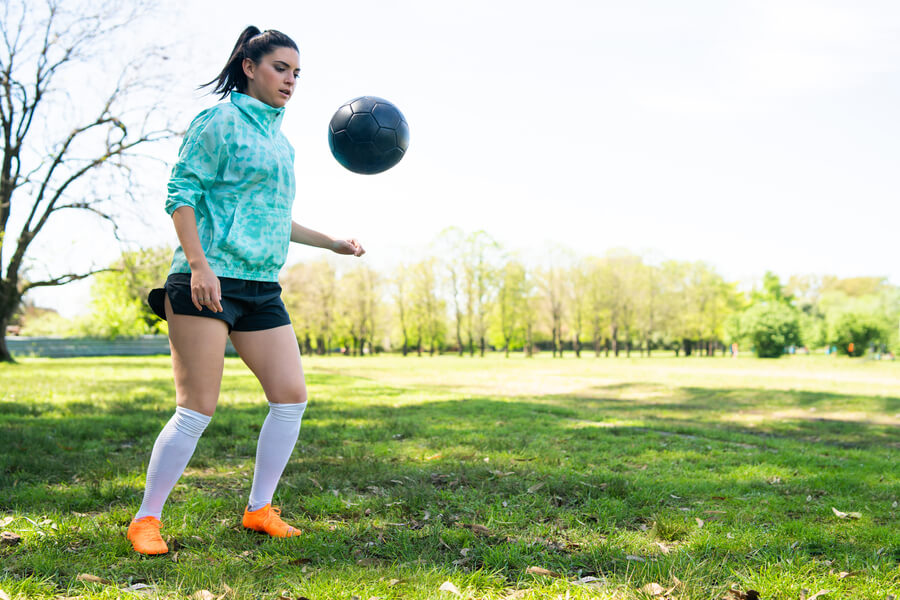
(198, 354)
(274, 357)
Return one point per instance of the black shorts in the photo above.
(246, 305)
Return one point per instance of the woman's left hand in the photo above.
(350, 246)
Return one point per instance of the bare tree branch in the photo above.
(63, 279)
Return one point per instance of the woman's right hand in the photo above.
(206, 289)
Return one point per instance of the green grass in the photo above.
(715, 473)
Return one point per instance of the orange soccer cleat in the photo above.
(268, 520)
(144, 536)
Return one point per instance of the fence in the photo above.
(54, 347)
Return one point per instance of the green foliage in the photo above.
(770, 328)
(49, 324)
(852, 332)
(119, 297)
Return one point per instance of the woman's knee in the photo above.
(293, 393)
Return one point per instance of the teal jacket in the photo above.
(236, 170)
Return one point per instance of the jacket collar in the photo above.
(268, 118)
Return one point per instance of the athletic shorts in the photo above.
(246, 305)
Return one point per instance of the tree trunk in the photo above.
(688, 347)
(5, 356)
(576, 345)
(481, 345)
(528, 343)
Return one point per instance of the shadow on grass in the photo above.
(563, 473)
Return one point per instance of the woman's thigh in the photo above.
(198, 358)
(274, 357)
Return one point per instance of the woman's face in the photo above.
(273, 78)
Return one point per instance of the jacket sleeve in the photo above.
(199, 160)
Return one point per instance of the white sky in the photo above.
(757, 135)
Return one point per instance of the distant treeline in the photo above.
(468, 296)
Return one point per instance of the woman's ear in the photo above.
(248, 65)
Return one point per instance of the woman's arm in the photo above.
(308, 237)
(205, 287)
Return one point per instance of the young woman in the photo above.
(230, 197)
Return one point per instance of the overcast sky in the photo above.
(752, 135)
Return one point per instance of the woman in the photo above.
(230, 197)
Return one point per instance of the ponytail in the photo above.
(252, 44)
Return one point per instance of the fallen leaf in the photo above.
(542, 571)
(846, 515)
(203, 595)
(8, 538)
(447, 586)
(844, 574)
(515, 595)
(819, 594)
(633, 557)
(93, 579)
(535, 487)
(739, 595)
(475, 527)
(434, 457)
(393, 582)
(7, 520)
(663, 547)
(774, 480)
(653, 589)
(4, 595)
(699, 522)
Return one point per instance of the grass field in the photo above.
(447, 477)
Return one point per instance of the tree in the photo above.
(401, 291)
(358, 306)
(86, 159)
(428, 309)
(450, 246)
(511, 308)
(480, 257)
(310, 295)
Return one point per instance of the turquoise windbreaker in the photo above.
(236, 170)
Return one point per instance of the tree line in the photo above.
(470, 296)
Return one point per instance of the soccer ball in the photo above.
(368, 135)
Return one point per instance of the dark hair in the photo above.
(252, 44)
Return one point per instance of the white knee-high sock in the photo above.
(276, 442)
(171, 453)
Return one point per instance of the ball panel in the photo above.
(341, 118)
(403, 136)
(387, 115)
(364, 104)
(362, 127)
(385, 139)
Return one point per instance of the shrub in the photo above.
(859, 329)
(770, 327)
